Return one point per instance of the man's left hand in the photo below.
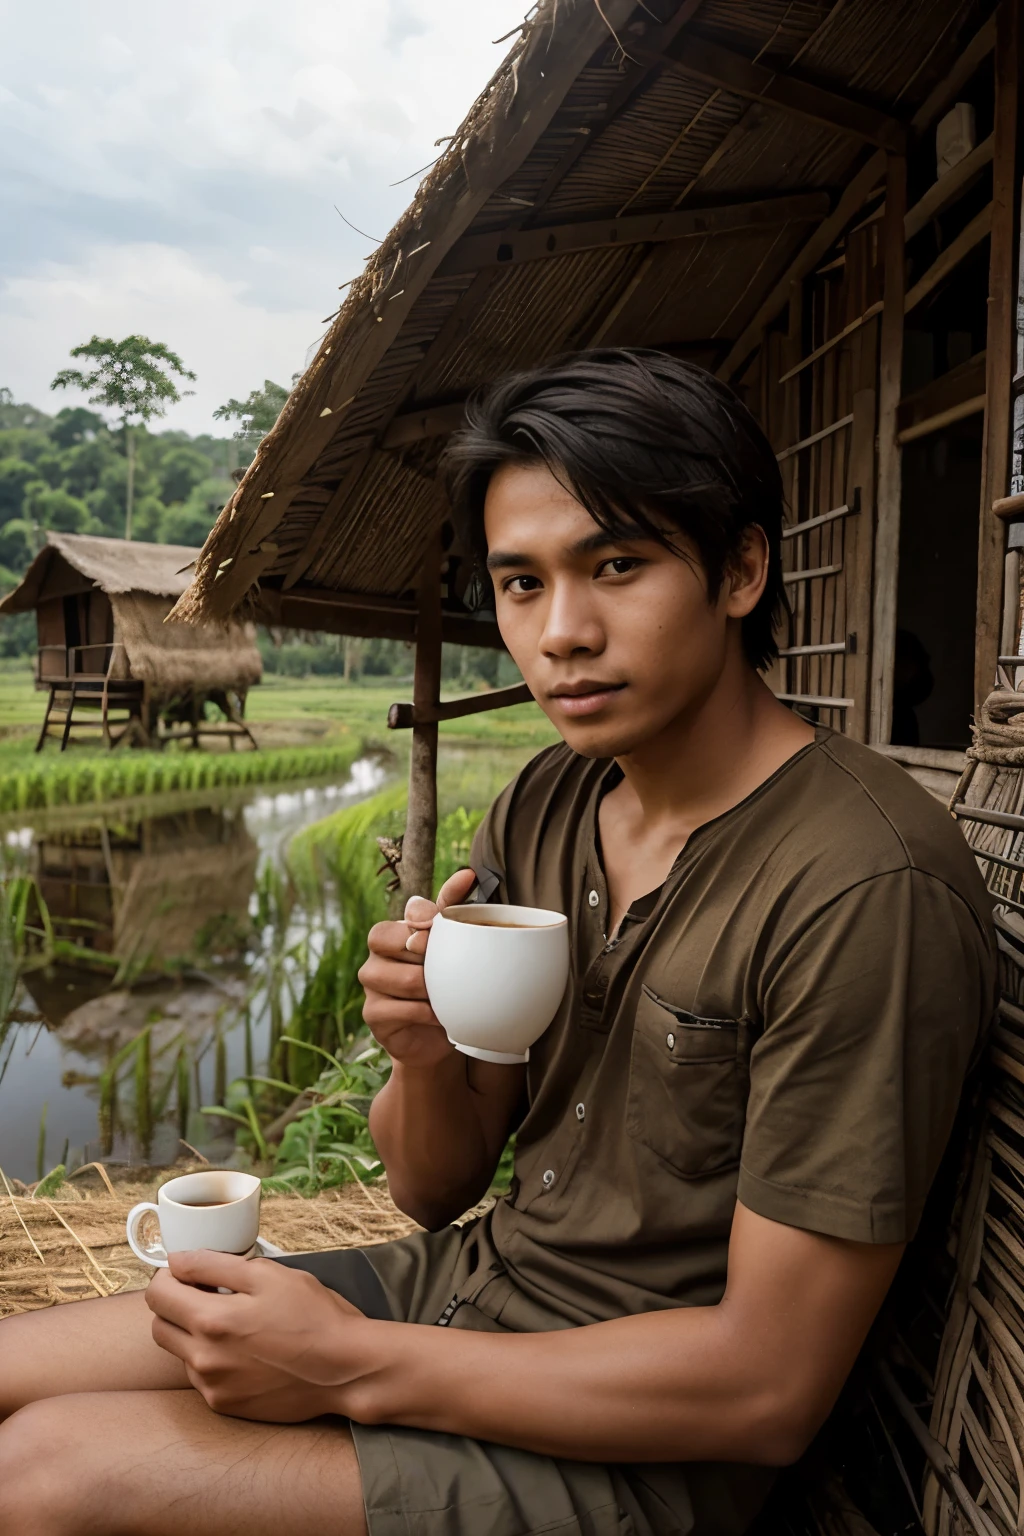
(260, 1352)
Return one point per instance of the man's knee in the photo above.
(40, 1479)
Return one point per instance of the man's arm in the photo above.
(750, 1379)
(442, 1119)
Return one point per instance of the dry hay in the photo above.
(72, 1246)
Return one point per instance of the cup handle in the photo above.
(147, 1255)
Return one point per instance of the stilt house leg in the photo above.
(417, 867)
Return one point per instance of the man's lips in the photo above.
(585, 697)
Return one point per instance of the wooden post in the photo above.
(857, 557)
(887, 531)
(417, 867)
(1002, 288)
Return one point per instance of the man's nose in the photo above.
(571, 627)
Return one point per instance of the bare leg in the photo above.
(87, 1346)
(160, 1463)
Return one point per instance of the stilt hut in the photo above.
(109, 660)
(821, 204)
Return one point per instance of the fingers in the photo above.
(202, 1266)
(416, 943)
(387, 940)
(456, 888)
(403, 981)
(388, 1012)
(419, 912)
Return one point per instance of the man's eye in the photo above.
(521, 584)
(622, 565)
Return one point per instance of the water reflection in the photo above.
(155, 921)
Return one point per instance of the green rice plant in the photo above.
(85, 778)
(41, 1143)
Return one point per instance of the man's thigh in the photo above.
(83, 1346)
(122, 1463)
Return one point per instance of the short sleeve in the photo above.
(487, 855)
(871, 1019)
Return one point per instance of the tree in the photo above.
(256, 414)
(127, 377)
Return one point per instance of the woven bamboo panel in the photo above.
(978, 1412)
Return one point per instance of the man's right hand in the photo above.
(397, 1010)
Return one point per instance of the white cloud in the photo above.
(229, 342)
(173, 169)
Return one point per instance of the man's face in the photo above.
(615, 638)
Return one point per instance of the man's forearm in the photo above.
(427, 1130)
(676, 1386)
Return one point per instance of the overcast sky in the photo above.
(173, 170)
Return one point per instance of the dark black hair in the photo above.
(639, 438)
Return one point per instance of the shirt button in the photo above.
(549, 1178)
(670, 1040)
(594, 899)
(580, 1112)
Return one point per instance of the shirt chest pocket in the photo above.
(688, 1085)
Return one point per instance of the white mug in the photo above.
(217, 1208)
(495, 976)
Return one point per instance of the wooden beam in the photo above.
(946, 92)
(815, 437)
(791, 578)
(946, 418)
(418, 846)
(1009, 506)
(322, 611)
(887, 532)
(950, 389)
(833, 341)
(404, 716)
(975, 232)
(741, 76)
(509, 247)
(807, 258)
(1002, 289)
(858, 547)
(947, 189)
(795, 529)
(414, 426)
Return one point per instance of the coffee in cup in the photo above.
(495, 976)
(218, 1208)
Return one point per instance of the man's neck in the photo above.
(697, 768)
(711, 757)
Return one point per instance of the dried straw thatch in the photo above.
(630, 175)
(142, 582)
(72, 1246)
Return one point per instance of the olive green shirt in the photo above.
(787, 1021)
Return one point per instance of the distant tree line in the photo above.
(78, 472)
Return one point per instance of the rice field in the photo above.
(29, 782)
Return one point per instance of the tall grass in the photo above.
(71, 780)
(336, 870)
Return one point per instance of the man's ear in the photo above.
(747, 573)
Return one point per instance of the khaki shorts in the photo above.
(419, 1483)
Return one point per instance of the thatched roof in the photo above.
(645, 174)
(113, 565)
(142, 582)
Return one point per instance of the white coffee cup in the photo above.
(495, 976)
(218, 1208)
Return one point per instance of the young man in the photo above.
(782, 967)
